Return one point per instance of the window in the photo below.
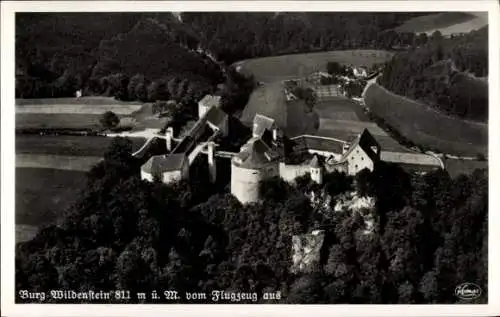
(362, 158)
(356, 166)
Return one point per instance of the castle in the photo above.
(266, 153)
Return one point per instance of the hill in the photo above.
(58, 53)
(446, 22)
(426, 126)
(444, 74)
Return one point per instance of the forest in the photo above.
(447, 73)
(429, 235)
(56, 54)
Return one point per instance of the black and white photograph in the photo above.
(236, 156)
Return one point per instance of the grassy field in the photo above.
(82, 114)
(61, 162)
(344, 119)
(50, 172)
(58, 121)
(91, 101)
(447, 23)
(77, 109)
(43, 194)
(67, 145)
(268, 100)
(426, 126)
(278, 68)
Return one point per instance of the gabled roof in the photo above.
(314, 162)
(366, 141)
(311, 142)
(215, 116)
(262, 123)
(210, 101)
(159, 164)
(256, 153)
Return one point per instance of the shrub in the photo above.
(109, 120)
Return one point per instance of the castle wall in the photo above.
(245, 182)
(173, 176)
(146, 176)
(289, 172)
(326, 154)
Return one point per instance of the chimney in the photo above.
(275, 134)
(211, 162)
(169, 134)
(345, 147)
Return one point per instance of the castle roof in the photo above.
(366, 141)
(315, 162)
(255, 153)
(159, 164)
(210, 101)
(312, 142)
(262, 123)
(200, 130)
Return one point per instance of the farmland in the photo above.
(67, 145)
(278, 68)
(426, 126)
(57, 121)
(447, 23)
(42, 195)
(72, 113)
(344, 119)
(50, 172)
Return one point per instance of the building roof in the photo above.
(210, 101)
(311, 142)
(215, 116)
(200, 130)
(159, 164)
(315, 162)
(366, 141)
(262, 123)
(255, 153)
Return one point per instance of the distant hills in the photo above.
(57, 53)
(447, 73)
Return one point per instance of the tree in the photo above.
(334, 68)
(109, 120)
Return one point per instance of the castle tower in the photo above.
(316, 170)
(211, 161)
(169, 135)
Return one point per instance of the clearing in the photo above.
(83, 113)
(278, 68)
(446, 22)
(42, 195)
(64, 145)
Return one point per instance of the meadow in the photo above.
(344, 119)
(70, 113)
(425, 126)
(50, 172)
(67, 145)
(446, 22)
(278, 68)
(42, 196)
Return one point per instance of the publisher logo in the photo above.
(468, 291)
